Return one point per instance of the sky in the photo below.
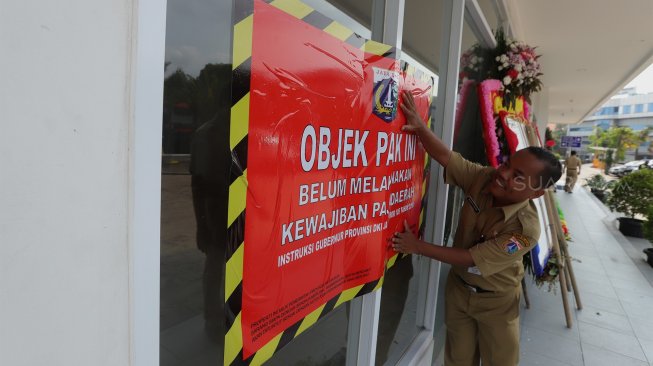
(644, 82)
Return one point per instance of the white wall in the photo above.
(540, 109)
(66, 189)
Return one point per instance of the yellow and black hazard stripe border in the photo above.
(243, 21)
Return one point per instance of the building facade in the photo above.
(100, 261)
(626, 109)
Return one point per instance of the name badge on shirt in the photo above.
(474, 270)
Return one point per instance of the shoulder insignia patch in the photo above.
(515, 243)
(512, 246)
(522, 238)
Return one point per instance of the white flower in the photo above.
(507, 80)
(505, 64)
(518, 67)
(500, 68)
(497, 58)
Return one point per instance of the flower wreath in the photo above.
(514, 64)
(500, 140)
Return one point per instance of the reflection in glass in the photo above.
(324, 344)
(468, 136)
(491, 13)
(195, 165)
(397, 322)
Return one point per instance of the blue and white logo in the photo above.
(386, 94)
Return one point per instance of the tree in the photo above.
(618, 138)
(608, 160)
(558, 132)
(547, 134)
(633, 194)
(556, 135)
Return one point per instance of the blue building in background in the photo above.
(625, 109)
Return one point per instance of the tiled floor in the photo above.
(615, 326)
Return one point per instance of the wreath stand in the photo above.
(560, 249)
(516, 134)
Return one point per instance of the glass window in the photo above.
(576, 129)
(490, 11)
(603, 123)
(639, 108)
(398, 312)
(197, 83)
(650, 107)
(606, 111)
(399, 305)
(468, 136)
(196, 163)
(626, 109)
(325, 343)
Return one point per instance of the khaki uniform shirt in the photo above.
(497, 237)
(572, 162)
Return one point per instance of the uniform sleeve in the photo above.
(493, 255)
(461, 172)
(510, 245)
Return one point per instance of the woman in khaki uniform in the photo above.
(572, 167)
(498, 224)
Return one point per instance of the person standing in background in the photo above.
(572, 167)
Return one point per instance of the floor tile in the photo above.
(551, 322)
(598, 287)
(584, 250)
(596, 356)
(605, 319)
(624, 271)
(611, 340)
(601, 302)
(551, 345)
(590, 263)
(643, 328)
(636, 296)
(635, 283)
(581, 272)
(535, 359)
(647, 346)
(637, 309)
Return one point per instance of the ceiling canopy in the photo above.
(590, 49)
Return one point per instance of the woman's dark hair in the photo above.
(552, 167)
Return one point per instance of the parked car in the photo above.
(616, 170)
(586, 158)
(632, 166)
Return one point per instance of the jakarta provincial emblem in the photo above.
(386, 93)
